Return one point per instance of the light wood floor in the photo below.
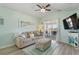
(62, 49)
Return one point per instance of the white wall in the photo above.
(10, 26)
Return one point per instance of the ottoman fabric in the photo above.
(43, 44)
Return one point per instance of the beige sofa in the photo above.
(24, 40)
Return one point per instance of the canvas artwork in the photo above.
(1, 21)
(73, 39)
(24, 23)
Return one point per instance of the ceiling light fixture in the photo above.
(43, 10)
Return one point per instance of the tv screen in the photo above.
(71, 22)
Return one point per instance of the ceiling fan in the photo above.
(43, 9)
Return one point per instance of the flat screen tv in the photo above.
(71, 22)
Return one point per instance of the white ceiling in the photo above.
(28, 8)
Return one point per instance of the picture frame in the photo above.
(1, 21)
(23, 23)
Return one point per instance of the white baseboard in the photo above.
(7, 46)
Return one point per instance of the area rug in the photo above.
(31, 50)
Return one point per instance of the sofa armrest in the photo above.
(19, 41)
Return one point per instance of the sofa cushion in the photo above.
(22, 35)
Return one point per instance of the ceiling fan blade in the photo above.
(37, 10)
(59, 10)
(39, 6)
(47, 5)
(48, 9)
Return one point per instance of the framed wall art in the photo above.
(24, 23)
(1, 21)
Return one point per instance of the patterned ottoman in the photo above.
(43, 44)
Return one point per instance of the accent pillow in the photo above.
(31, 35)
